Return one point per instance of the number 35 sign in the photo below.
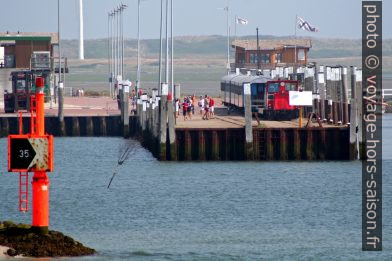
(28, 153)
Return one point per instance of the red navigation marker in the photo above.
(34, 152)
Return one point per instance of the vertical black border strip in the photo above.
(371, 149)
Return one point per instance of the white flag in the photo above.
(240, 20)
(305, 25)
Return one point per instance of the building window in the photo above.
(265, 58)
(253, 58)
(301, 55)
(278, 58)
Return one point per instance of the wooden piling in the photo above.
(215, 146)
(163, 122)
(201, 146)
(310, 153)
(125, 109)
(171, 130)
(322, 150)
(270, 145)
(89, 126)
(188, 145)
(345, 96)
(297, 144)
(75, 127)
(4, 127)
(353, 117)
(248, 123)
(283, 144)
(102, 126)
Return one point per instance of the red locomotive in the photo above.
(270, 98)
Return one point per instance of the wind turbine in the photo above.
(81, 33)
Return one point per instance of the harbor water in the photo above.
(204, 211)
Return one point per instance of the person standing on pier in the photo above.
(206, 108)
(211, 110)
(201, 105)
(185, 108)
(177, 108)
(193, 103)
(189, 101)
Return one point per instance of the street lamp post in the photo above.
(60, 83)
(138, 47)
(172, 48)
(160, 50)
(109, 57)
(228, 38)
(167, 45)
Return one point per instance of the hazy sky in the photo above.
(334, 18)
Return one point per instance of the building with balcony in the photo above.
(271, 53)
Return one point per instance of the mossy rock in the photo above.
(8, 224)
(23, 226)
(23, 240)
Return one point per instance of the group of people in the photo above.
(205, 104)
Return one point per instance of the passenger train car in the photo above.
(270, 98)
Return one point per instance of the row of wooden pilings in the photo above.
(204, 144)
(73, 126)
(155, 127)
(337, 102)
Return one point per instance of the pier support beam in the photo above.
(248, 123)
(188, 145)
(202, 145)
(5, 127)
(283, 145)
(297, 144)
(322, 151)
(163, 122)
(172, 131)
(310, 153)
(215, 146)
(61, 108)
(359, 101)
(75, 127)
(353, 117)
(321, 86)
(89, 126)
(269, 145)
(345, 95)
(125, 108)
(120, 94)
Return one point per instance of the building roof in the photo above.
(14, 36)
(272, 44)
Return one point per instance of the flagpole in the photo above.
(228, 39)
(235, 28)
(295, 42)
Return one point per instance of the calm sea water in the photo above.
(204, 211)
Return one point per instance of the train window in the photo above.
(254, 90)
(273, 87)
(291, 86)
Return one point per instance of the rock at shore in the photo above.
(22, 240)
